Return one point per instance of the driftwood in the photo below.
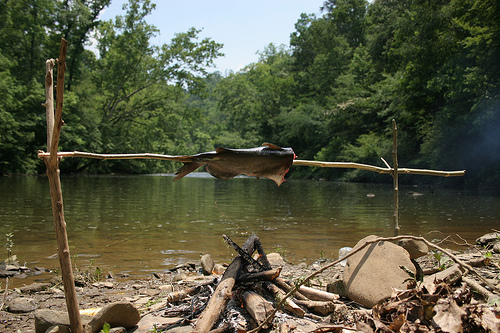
(318, 295)
(55, 123)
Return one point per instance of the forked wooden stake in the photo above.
(55, 123)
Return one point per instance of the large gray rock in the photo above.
(115, 314)
(371, 274)
(23, 305)
(45, 319)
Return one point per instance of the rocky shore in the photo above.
(385, 287)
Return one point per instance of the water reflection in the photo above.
(140, 224)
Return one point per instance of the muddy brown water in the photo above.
(144, 224)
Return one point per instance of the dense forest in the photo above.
(331, 94)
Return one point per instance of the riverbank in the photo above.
(152, 297)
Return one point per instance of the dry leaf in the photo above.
(448, 315)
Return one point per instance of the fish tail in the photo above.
(186, 169)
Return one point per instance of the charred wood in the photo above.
(257, 306)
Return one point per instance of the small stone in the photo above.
(118, 330)
(23, 305)
(336, 287)
(315, 267)
(496, 247)
(148, 322)
(115, 314)
(488, 238)
(340, 314)
(415, 248)
(34, 287)
(275, 259)
(159, 305)
(207, 264)
(179, 277)
(149, 292)
(12, 267)
(108, 285)
(181, 329)
(167, 288)
(5, 273)
(219, 269)
(58, 329)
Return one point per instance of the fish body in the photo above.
(269, 161)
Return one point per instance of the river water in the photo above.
(147, 223)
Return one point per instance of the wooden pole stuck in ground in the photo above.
(54, 124)
(395, 175)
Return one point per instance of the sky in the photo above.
(244, 27)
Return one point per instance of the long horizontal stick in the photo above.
(349, 165)
(352, 165)
(42, 154)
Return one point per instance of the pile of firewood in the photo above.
(248, 296)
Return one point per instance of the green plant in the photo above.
(279, 249)
(90, 275)
(414, 279)
(441, 259)
(9, 244)
(106, 328)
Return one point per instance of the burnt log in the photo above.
(258, 307)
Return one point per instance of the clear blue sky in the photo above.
(244, 27)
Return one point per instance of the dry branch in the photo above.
(52, 163)
(352, 165)
(119, 156)
(318, 295)
(290, 305)
(395, 217)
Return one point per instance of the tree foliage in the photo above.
(331, 94)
